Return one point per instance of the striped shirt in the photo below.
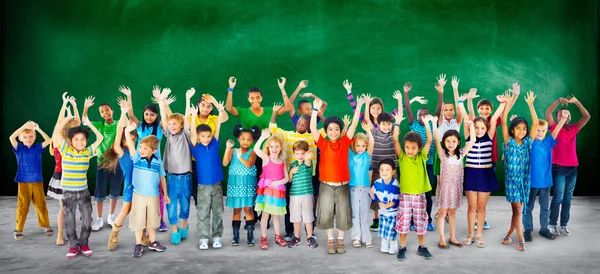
(383, 148)
(386, 193)
(289, 138)
(75, 165)
(302, 179)
(418, 128)
(146, 175)
(109, 132)
(481, 153)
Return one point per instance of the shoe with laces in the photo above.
(294, 242)
(422, 251)
(203, 245)
(312, 242)
(385, 246)
(156, 246)
(86, 251)
(486, 225)
(401, 256)
(553, 230)
(527, 235)
(565, 231)
(138, 250)
(430, 227)
(73, 251)
(393, 248)
(374, 225)
(217, 242)
(163, 227)
(98, 224)
(547, 234)
(111, 219)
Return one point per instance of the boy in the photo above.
(414, 183)
(301, 194)
(304, 107)
(386, 192)
(75, 163)
(148, 173)
(29, 177)
(205, 149)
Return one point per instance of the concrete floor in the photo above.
(578, 253)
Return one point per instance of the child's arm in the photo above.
(322, 108)
(229, 102)
(494, 120)
(287, 175)
(551, 108)
(372, 193)
(303, 84)
(505, 134)
(75, 110)
(585, 115)
(13, 137)
(276, 107)
(436, 138)
(131, 127)
(188, 98)
(308, 159)
(293, 171)
(193, 135)
(561, 123)
(210, 98)
(384, 206)
(534, 118)
(472, 137)
(396, 133)
(163, 112)
(352, 128)
(89, 101)
(472, 95)
(287, 105)
(122, 123)
(264, 135)
(61, 113)
(125, 90)
(346, 120)
(47, 139)
(516, 90)
(163, 184)
(439, 87)
(367, 116)
(313, 120)
(459, 115)
(221, 109)
(461, 109)
(99, 137)
(409, 114)
(427, 145)
(250, 161)
(369, 132)
(228, 154)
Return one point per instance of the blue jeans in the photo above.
(102, 178)
(544, 208)
(564, 178)
(179, 187)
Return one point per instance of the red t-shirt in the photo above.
(333, 160)
(495, 140)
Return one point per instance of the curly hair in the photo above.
(274, 139)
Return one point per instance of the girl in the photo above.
(449, 191)
(241, 183)
(271, 187)
(359, 159)
(517, 147)
(54, 189)
(480, 178)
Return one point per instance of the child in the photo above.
(414, 183)
(119, 155)
(480, 178)
(205, 148)
(241, 182)
(359, 160)
(304, 107)
(54, 189)
(271, 186)
(75, 164)
(148, 173)
(386, 192)
(517, 147)
(541, 177)
(334, 202)
(301, 194)
(29, 177)
(450, 188)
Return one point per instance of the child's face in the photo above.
(300, 155)
(559, 115)
(451, 143)
(541, 132)
(146, 151)
(375, 110)
(149, 116)
(106, 112)
(520, 131)
(484, 110)
(480, 129)
(386, 172)
(245, 140)
(333, 131)
(420, 114)
(305, 109)
(302, 125)
(79, 141)
(274, 148)
(205, 108)
(385, 127)
(254, 98)
(204, 137)
(28, 138)
(360, 146)
(448, 110)
(174, 126)
(411, 148)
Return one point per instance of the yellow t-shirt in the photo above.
(289, 138)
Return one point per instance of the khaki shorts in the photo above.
(145, 212)
(334, 207)
(301, 209)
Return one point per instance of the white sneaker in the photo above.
(385, 246)
(217, 242)
(554, 230)
(111, 219)
(98, 224)
(203, 244)
(393, 247)
(565, 231)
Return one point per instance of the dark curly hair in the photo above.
(333, 120)
(254, 131)
(414, 137)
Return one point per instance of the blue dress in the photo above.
(516, 167)
(241, 184)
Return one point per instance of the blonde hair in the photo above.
(27, 131)
(176, 116)
(65, 131)
(269, 141)
(542, 123)
(359, 137)
(151, 141)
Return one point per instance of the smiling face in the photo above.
(174, 126)
(519, 131)
(385, 126)
(480, 128)
(542, 129)
(375, 110)
(146, 151)
(274, 148)
(360, 146)
(484, 110)
(106, 112)
(205, 108)
(149, 116)
(204, 137)
(305, 108)
(79, 141)
(245, 140)
(448, 111)
(386, 172)
(451, 143)
(411, 148)
(27, 137)
(255, 99)
(299, 154)
(302, 125)
(333, 131)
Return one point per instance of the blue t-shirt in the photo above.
(385, 193)
(418, 128)
(126, 164)
(208, 162)
(29, 161)
(359, 168)
(143, 133)
(146, 175)
(541, 162)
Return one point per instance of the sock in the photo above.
(340, 238)
(331, 239)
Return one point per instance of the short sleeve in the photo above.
(242, 112)
(194, 150)
(574, 128)
(91, 152)
(424, 154)
(275, 130)
(166, 133)
(63, 148)
(295, 119)
(214, 143)
(549, 142)
(321, 143)
(346, 141)
(162, 169)
(18, 149)
(97, 125)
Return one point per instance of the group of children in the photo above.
(278, 172)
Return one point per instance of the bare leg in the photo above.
(61, 216)
(263, 224)
(276, 224)
(99, 206)
(113, 205)
(152, 234)
(440, 224)
(452, 224)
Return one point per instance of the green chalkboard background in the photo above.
(91, 47)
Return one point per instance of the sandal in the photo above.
(443, 245)
(356, 243)
(507, 240)
(369, 245)
(18, 235)
(263, 243)
(48, 231)
(521, 246)
(469, 239)
(280, 241)
(479, 241)
(457, 244)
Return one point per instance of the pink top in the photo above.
(272, 172)
(565, 151)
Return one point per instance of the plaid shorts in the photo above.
(412, 206)
(387, 228)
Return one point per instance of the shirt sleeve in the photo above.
(166, 133)
(275, 130)
(63, 148)
(18, 149)
(424, 154)
(162, 169)
(194, 150)
(550, 142)
(321, 143)
(91, 152)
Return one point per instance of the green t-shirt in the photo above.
(109, 132)
(249, 119)
(413, 174)
(302, 180)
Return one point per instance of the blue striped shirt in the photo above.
(146, 175)
(385, 193)
(481, 153)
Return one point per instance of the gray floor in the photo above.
(567, 254)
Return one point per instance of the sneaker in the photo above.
(137, 251)
(422, 251)
(294, 242)
(110, 220)
(73, 251)
(412, 227)
(86, 251)
(203, 245)
(430, 227)
(401, 256)
(374, 225)
(527, 236)
(98, 224)
(393, 248)
(486, 225)
(547, 234)
(288, 236)
(475, 226)
(565, 231)
(553, 230)
(156, 246)
(217, 242)
(163, 227)
(312, 242)
(385, 246)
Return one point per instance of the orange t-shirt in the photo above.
(333, 161)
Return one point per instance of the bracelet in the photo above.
(230, 89)
(396, 124)
(315, 109)
(460, 101)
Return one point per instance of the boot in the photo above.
(249, 227)
(113, 239)
(236, 232)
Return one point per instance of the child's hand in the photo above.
(208, 98)
(347, 85)
(169, 100)
(346, 119)
(306, 95)
(462, 97)
(427, 118)
(167, 200)
(407, 87)
(472, 94)
(455, 81)
(397, 95)
(419, 99)
(281, 83)
(190, 93)
(516, 89)
(317, 103)
(89, 101)
(501, 98)
(72, 100)
(232, 82)
(362, 100)
(294, 170)
(303, 84)
(35, 126)
(399, 118)
(131, 127)
(367, 97)
(69, 115)
(265, 133)
(434, 119)
(156, 92)
(513, 117)
(563, 101)
(230, 143)
(469, 123)
(85, 120)
(365, 126)
(381, 205)
(125, 90)
(165, 92)
(308, 155)
(193, 109)
(507, 95)
(123, 104)
(531, 97)
(65, 98)
(571, 99)
(277, 106)
(441, 82)
(218, 105)
(565, 114)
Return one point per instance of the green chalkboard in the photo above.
(92, 47)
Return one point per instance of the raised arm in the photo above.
(303, 84)
(352, 128)
(396, 133)
(348, 86)
(313, 120)
(193, 135)
(427, 145)
(371, 143)
(276, 107)
(551, 108)
(130, 144)
(436, 138)
(229, 102)
(127, 92)
(221, 109)
(472, 137)
(461, 109)
(347, 122)
(516, 90)
(459, 115)
(228, 154)
(47, 139)
(123, 121)
(188, 98)
(76, 115)
(505, 134)
(257, 147)
(563, 119)
(99, 137)
(439, 87)
(585, 115)
(534, 118)
(470, 97)
(409, 114)
(367, 116)
(287, 105)
(14, 135)
(494, 120)
(89, 101)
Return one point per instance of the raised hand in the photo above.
(565, 114)
(469, 123)
(367, 97)
(399, 118)
(317, 103)
(281, 82)
(397, 95)
(306, 95)
(513, 117)
(193, 109)
(131, 127)
(441, 82)
(69, 115)
(427, 118)
(85, 120)
(346, 119)
(571, 99)
(472, 94)
(303, 84)
(563, 101)
(454, 82)
(156, 92)
(232, 82)
(309, 155)
(501, 98)
(208, 98)
(419, 99)
(230, 143)
(434, 119)
(125, 90)
(89, 101)
(365, 126)
(72, 100)
(516, 88)
(407, 87)
(265, 133)
(362, 100)
(347, 85)
(462, 97)
(123, 104)
(35, 126)
(65, 97)
(277, 106)
(165, 92)
(169, 100)
(530, 97)
(190, 93)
